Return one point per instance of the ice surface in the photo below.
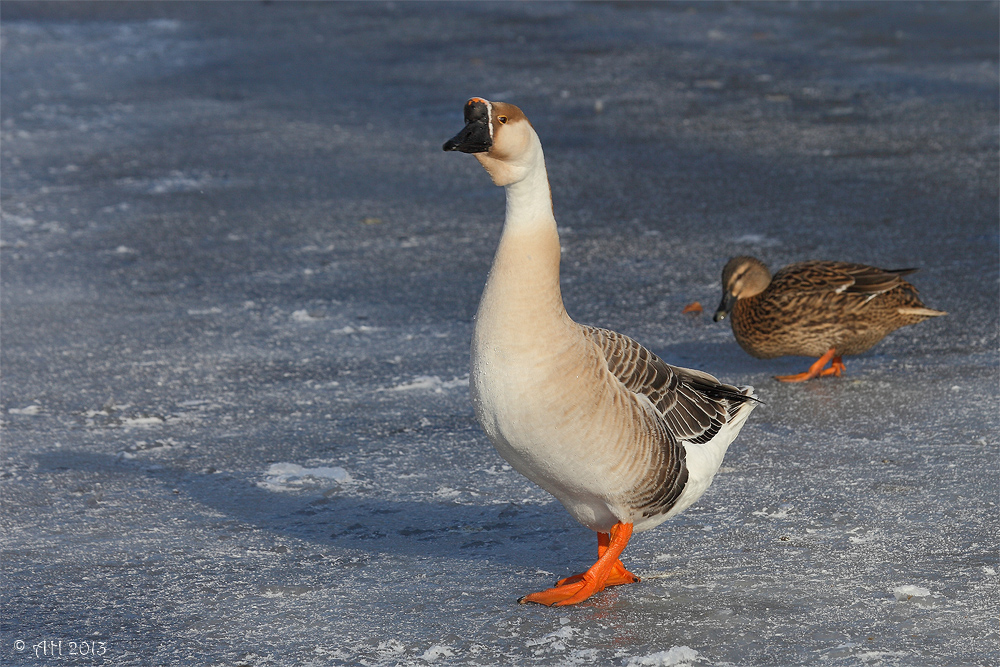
(238, 282)
(432, 383)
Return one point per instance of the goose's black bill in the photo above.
(475, 137)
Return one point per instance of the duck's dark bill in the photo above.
(726, 307)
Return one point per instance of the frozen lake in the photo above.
(238, 278)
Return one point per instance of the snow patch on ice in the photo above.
(142, 422)
(860, 539)
(781, 513)
(878, 656)
(555, 641)
(437, 651)
(304, 316)
(392, 647)
(848, 650)
(165, 25)
(284, 591)
(22, 221)
(292, 476)
(678, 656)
(758, 240)
(140, 446)
(177, 182)
(30, 410)
(431, 383)
(352, 330)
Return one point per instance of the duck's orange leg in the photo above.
(618, 576)
(816, 370)
(578, 588)
(836, 367)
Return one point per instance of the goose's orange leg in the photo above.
(816, 370)
(578, 588)
(618, 576)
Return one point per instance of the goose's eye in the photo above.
(502, 120)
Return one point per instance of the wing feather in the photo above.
(838, 277)
(693, 407)
(693, 404)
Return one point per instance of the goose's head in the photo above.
(742, 277)
(500, 137)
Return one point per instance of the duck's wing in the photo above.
(694, 405)
(836, 277)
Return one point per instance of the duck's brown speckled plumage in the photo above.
(811, 307)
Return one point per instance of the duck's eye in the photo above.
(502, 120)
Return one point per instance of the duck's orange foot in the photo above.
(836, 368)
(607, 571)
(816, 370)
(798, 377)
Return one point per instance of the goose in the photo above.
(623, 440)
(816, 309)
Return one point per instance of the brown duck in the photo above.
(816, 309)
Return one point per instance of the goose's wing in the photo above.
(694, 405)
(837, 277)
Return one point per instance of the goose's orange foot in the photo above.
(567, 594)
(617, 577)
(607, 571)
(816, 370)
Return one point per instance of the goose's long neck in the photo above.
(523, 285)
